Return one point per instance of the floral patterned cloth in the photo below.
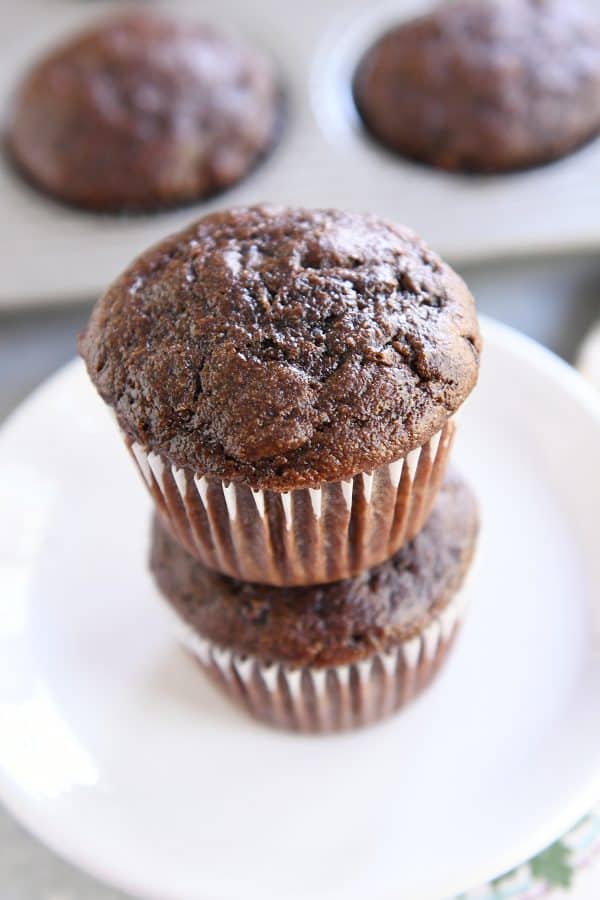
(555, 871)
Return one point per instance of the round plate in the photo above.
(588, 358)
(118, 753)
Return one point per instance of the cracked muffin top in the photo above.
(485, 85)
(331, 624)
(284, 347)
(144, 111)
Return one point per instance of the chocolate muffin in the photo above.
(285, 379)
(143, 111)
(485, 85)
(335, 656)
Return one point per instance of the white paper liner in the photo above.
(306, 536)
(322, 700)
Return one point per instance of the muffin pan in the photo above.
(56, 254)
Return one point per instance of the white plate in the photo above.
(588, 356)
(56, 254)
(116, 751)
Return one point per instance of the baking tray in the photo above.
(55, 254)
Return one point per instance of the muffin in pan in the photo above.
(286, 381)
(485, 85)
(144, 111)
(330, 657)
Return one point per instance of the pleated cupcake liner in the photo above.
(321, 700)
(298, 537)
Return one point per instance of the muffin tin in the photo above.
(56, 254)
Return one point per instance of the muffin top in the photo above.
(485, 85)
(143, 111)
(334, 624)
(284, 347)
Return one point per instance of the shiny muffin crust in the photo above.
(284, 347)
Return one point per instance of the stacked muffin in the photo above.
(286, 381)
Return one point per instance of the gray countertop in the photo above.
(554, 300)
